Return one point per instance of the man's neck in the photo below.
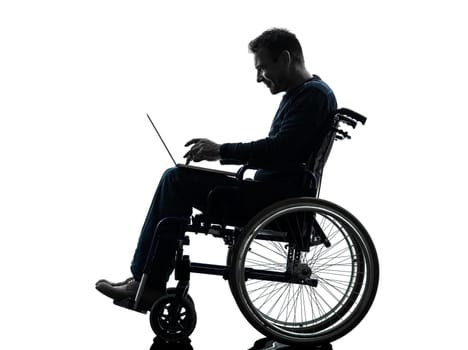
(299, 76)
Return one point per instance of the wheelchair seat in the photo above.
(236, 205)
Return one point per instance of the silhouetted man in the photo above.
(297, 129)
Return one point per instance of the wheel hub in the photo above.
(302, 271)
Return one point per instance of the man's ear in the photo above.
(285, 58)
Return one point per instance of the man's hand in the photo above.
(202, 149)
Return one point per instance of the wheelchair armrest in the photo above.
(255, 165)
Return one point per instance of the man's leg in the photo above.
(179, 190)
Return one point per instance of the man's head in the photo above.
(278, 59)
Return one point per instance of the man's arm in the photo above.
(300, 125)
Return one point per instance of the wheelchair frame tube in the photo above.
(140, 290)
(220, 270)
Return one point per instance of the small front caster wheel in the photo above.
(173, 318)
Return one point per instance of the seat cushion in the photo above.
(236, 205)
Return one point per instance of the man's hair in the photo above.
(277, 40)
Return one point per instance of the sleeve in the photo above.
(304, 116)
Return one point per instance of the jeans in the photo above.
(179, 190)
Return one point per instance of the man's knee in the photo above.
(171, 175)
(176, 180)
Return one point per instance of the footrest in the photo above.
(128, 303)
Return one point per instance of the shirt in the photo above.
(296, 132)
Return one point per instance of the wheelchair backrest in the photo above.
(317, 160)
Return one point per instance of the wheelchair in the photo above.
(303, 271)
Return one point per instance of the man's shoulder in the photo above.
(311, 91)
(316, 84)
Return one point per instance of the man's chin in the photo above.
(273, 89)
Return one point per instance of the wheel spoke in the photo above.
(277, 251)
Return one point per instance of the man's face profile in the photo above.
(269, 71)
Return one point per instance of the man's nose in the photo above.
(260, 76)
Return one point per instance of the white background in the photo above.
(80, 162)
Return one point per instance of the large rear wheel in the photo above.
(297, 295)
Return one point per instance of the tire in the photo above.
(173, 291)
(229, 256)
(293, 310)
(172, 318)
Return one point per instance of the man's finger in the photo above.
(192, 141)
(189, 157)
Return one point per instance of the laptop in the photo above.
(179, 165)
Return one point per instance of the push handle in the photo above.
(347, 114)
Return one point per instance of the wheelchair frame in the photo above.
(352, 279)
